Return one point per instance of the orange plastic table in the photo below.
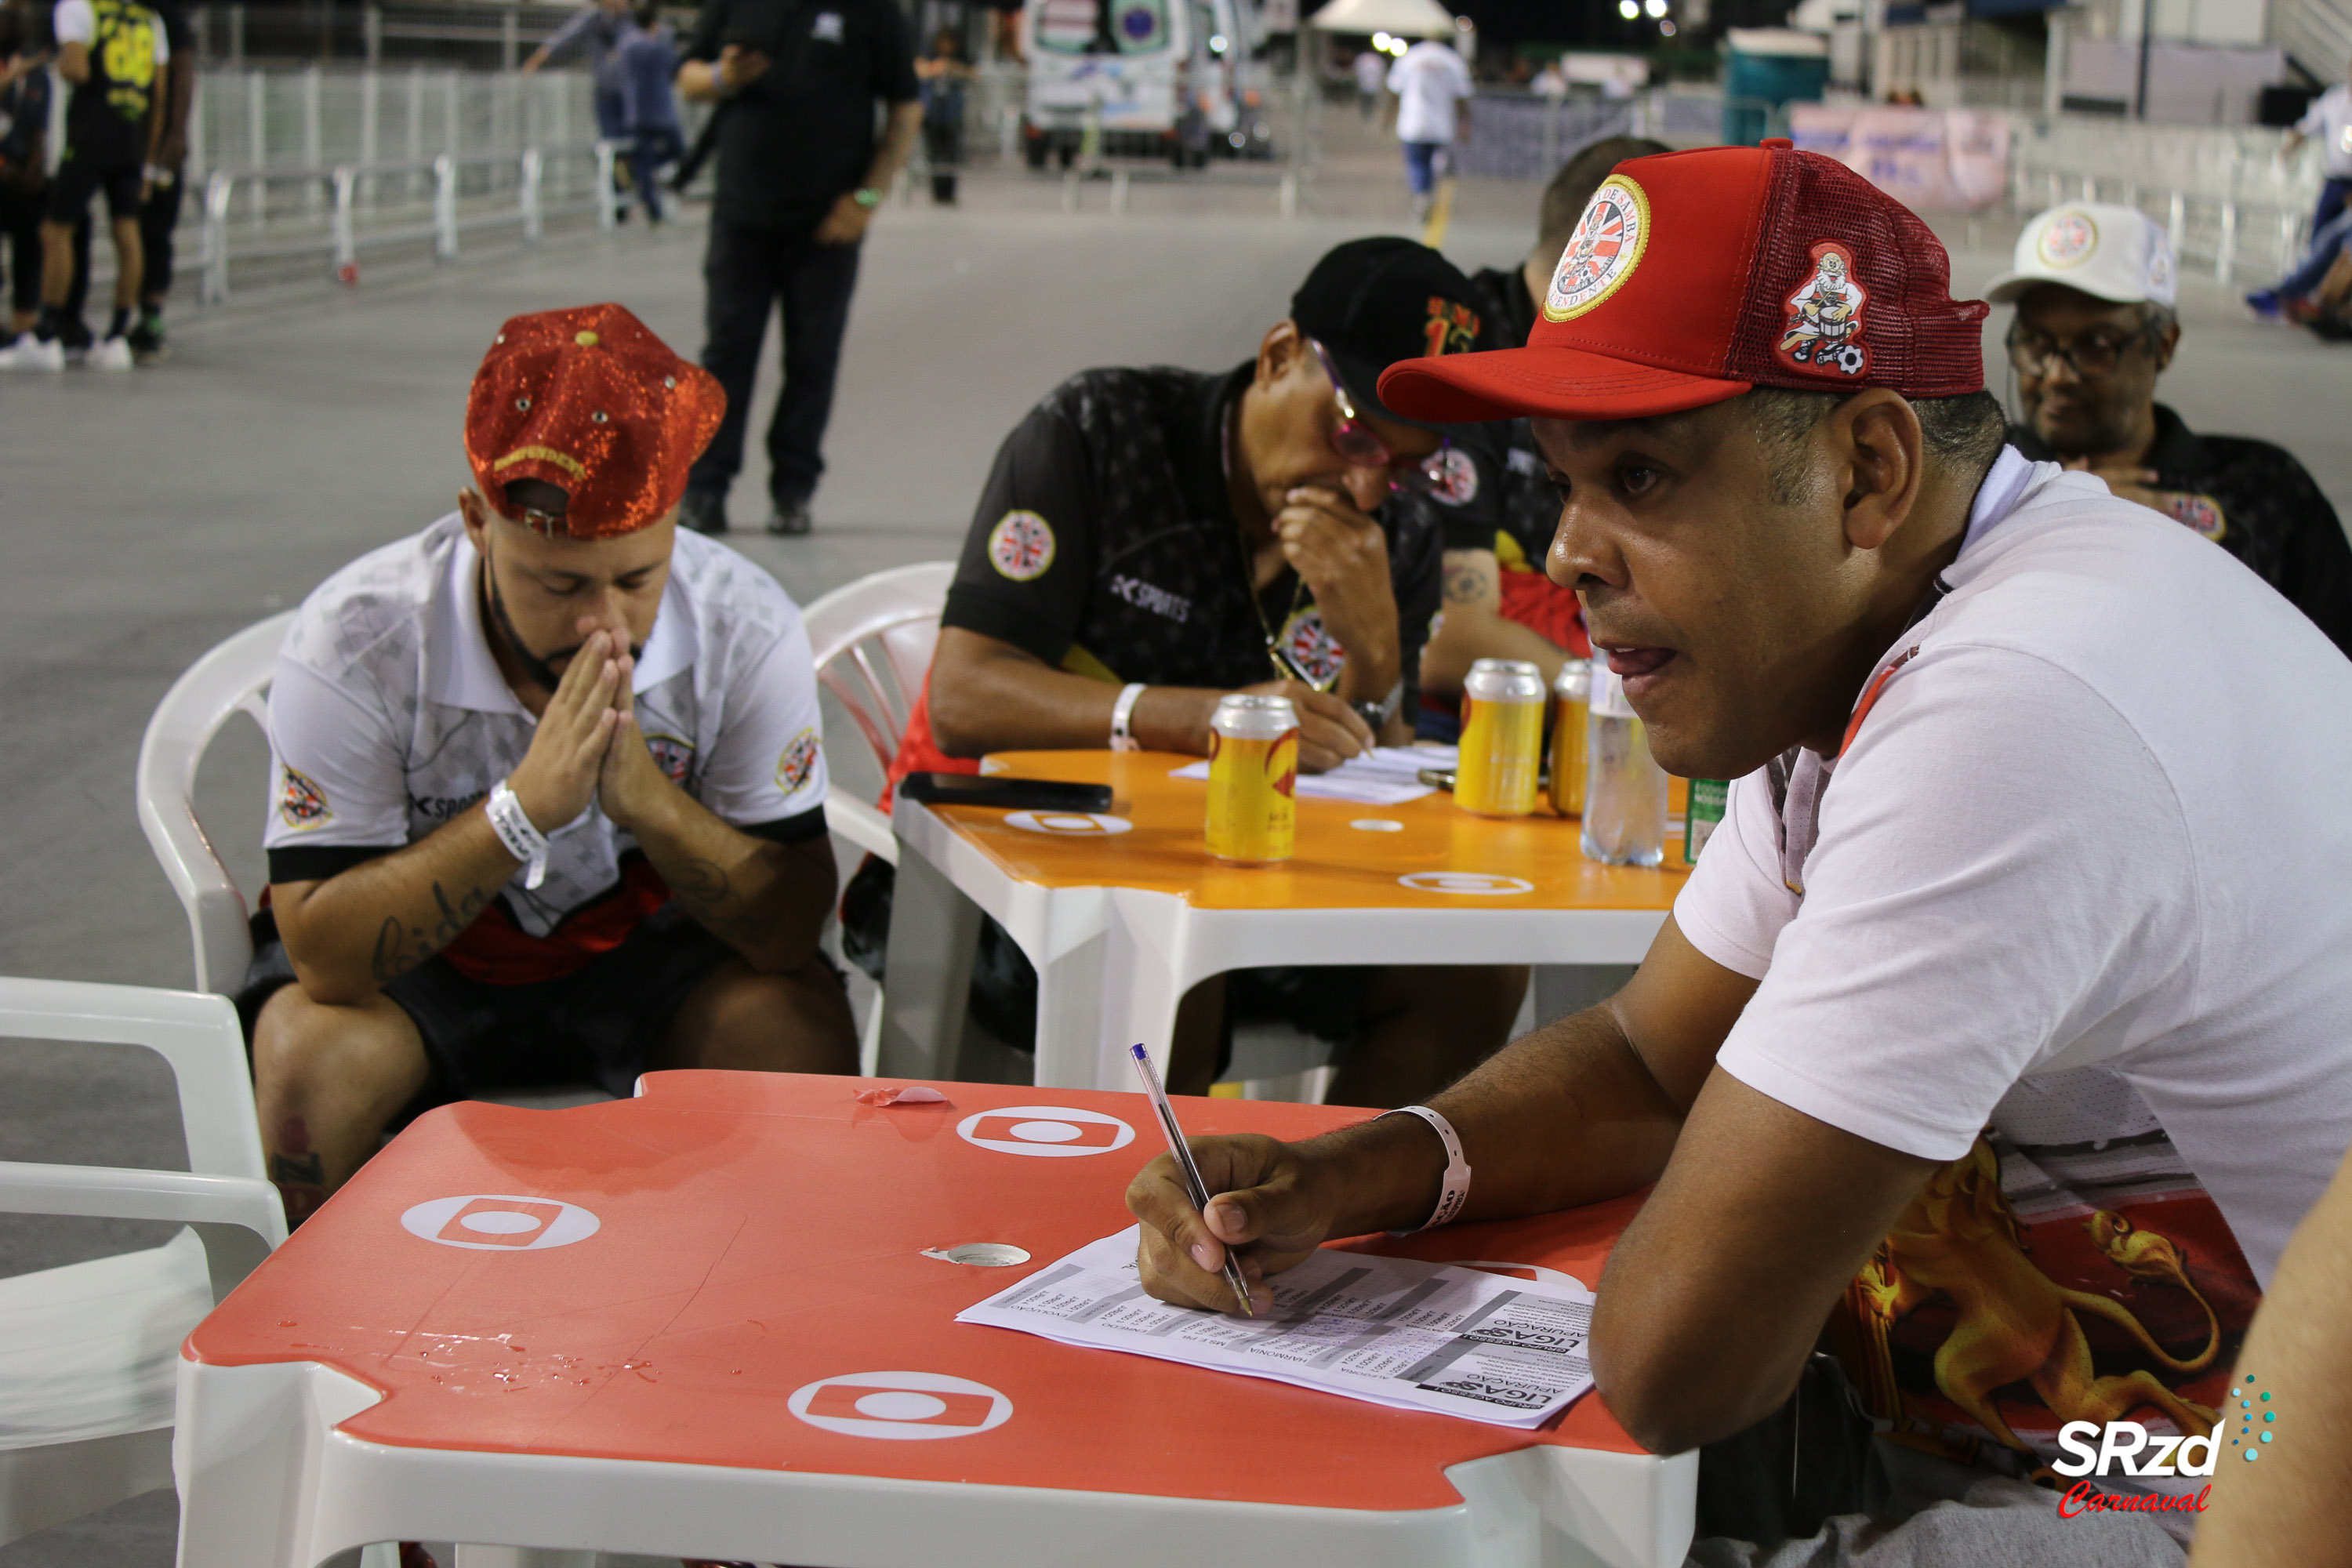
(662, 1325)
(1123, 912)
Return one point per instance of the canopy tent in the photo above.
(1405, 19)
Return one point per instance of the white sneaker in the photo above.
(112, 355)
(30, 353)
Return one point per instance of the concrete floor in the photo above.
(143, 517)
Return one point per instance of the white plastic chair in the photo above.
(229, 680)
(894, 615)
(89, 1351)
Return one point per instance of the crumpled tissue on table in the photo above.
(908, 1094)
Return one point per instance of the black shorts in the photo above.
(600, 1024)
(79, 178)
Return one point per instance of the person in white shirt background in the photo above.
(1431, 82)
(1371, 68)
(2329, 118)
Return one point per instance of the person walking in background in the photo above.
(1371, 68)
(648, 66)
(599, 26)
(2329, 118)
(111, 51)
(24, 166)
(800, 174)
(944, 76)
(1432, 83)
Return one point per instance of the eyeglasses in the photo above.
(2093, 354)
(1360, 447)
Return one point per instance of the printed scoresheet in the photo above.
(1393, 1330)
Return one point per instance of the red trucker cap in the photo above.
(1693, 277)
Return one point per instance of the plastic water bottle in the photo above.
(1624, 790)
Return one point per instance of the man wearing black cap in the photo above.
(1151, 539)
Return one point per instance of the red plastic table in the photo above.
(707, 1322)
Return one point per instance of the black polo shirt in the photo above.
(794, 141)
(2258, 504)
(1105, 543)
(1526, 506)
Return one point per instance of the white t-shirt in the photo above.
(1371, 71)
(2329, 119)
(2082, 877)
(1428, 81)
(388, 717)
(75, 21)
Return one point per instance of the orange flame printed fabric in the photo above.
(590, 401)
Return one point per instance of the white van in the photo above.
(1167, 73)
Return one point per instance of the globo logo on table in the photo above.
(1056, 1131)
(498, 1222)
(900, 1405)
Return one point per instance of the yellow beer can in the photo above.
(1573, 699)
(1502, 738)
(1252, 779)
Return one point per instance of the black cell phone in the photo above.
(1005, 793)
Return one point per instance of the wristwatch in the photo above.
(1378, 714)
(866, 196)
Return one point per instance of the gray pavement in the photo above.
(144, 517)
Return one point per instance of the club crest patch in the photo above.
(2202, 513)
(1021, 546)
(798, 764)
(1457, 477)
(1826, 316)
(1451, 328)
(302, 804)
(1602, 252)
(1310, 650)
(673, 756)
(2067, 240)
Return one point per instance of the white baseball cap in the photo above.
(2110, 252)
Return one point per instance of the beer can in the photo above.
(1252, 779)
(1572, 704)
(1703, 815)
(1502, 738)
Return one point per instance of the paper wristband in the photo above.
(1456, 1190)
(513, 826)
(1122, 714)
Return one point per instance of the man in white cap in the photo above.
(2094, 285)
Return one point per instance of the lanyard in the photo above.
(1284, 669)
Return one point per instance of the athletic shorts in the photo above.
(78, 179)
(602, 1023)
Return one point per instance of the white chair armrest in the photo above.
(862, 825)
(217, 1206)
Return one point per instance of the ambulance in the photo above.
(1173, 79)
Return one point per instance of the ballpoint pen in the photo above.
(1198, 1188)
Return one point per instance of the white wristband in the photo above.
(1122, 713)
(513, 826)
(1456, 1190)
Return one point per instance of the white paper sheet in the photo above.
(1386, 775)
(1389, 1331)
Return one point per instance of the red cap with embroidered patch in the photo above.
(1693, 277)
(588, 401)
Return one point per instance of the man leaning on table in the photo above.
(2003, 1019)
(549, 788)
(1151, 539)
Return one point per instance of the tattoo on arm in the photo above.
(1463, 586)
(706, 892)
(400, 947)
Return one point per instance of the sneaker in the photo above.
(147, 341)
(75, 339)
(30, 353)
(114, 353)
(790, 517)
(702, 511)
(2265, 303)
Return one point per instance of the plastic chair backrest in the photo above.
(894, 613)
(197, 1033)
(229, 680)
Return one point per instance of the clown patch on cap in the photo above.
(1825, 315)
(589, 401)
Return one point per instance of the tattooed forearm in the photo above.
(704, 890)
(400, 946)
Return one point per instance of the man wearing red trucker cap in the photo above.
(2002, 1026)
(548, 792)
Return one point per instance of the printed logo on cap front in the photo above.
(1451, 328)
(2067, 240)
(798, 762)
(1053, 1132)
(1309, 647)
(901, 1405)
(302, 803)
(498, 1222)
(1603, 251)
(1825, 316)
(1021, 545)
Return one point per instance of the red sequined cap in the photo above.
(590, 402)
